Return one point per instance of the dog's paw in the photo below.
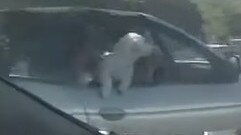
(122, 90)
(106, 89)
(105, 94)
(126, 81)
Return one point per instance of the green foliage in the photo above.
(218, 16)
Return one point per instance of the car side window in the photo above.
(180, 51)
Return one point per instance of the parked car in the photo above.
(195, 90)
(235, 41)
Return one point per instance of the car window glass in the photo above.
(180, 50)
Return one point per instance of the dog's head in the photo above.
(141, 47)
(135, 46)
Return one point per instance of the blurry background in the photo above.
(215, 21)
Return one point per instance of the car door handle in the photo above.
(201, 66)
(112, 114)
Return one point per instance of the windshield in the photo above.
(93, 58)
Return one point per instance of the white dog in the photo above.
(119, 64)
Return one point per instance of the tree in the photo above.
(220, 17)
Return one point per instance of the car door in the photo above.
(192, 64)
(166, 109)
